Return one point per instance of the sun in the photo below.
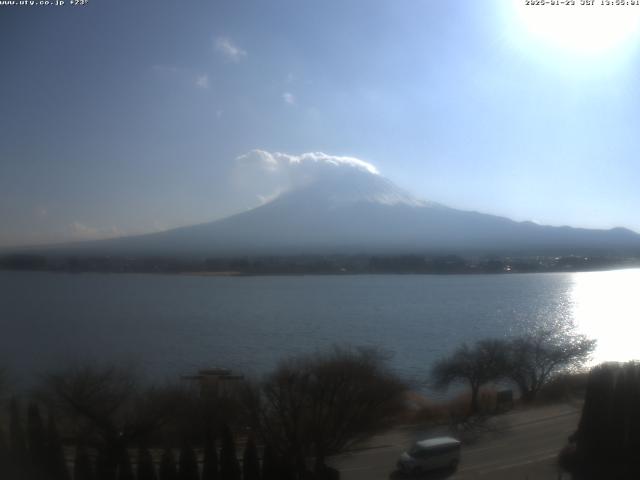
(585, 29)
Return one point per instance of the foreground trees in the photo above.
(317, 405)
(529, 361)
(115, 428)
(310, 407)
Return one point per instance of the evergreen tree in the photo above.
(8, 467)
(610, 411)
(286, 469)
(229, 466)
(188, 463)
(250, 461)
(105, 470)
(594, 421)
(146, 469)
(4, 448)
(56, 461)
(634, 425)
(210, 462)
(125, 471)
(269, 464)
(168, 466)
(36, 438)
(82, 468)
(619, 422)
(18, 446)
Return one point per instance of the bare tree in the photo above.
(533, 359)
(283, 409)
(108, 406)
(318, 405)
(483, 362)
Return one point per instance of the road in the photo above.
(519, 445)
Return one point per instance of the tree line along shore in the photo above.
(319, 264)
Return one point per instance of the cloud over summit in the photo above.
(312, 162)
(271, 173)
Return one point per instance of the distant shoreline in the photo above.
(211, 274)
(360, 264)
(228, 274)
(339, 274)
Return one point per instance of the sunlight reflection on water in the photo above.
(606, 307)
(172, 324)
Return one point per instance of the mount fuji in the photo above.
(350, 208)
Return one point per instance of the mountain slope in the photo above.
(357, 212)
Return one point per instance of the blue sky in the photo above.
(127, 117)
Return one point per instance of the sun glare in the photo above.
(581, 29)
(605, 307)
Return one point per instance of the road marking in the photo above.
(544, 419)
(355, 469)
(528, 462)
(498, 444)
(497, 466)
(365, 451)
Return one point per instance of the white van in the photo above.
(430, 454)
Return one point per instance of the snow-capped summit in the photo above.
(348, 187)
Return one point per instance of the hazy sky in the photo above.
(123, 117)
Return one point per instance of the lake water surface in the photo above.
(170, 324)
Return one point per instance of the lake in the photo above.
(169, 325)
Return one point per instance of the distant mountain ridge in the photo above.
(358, 212)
